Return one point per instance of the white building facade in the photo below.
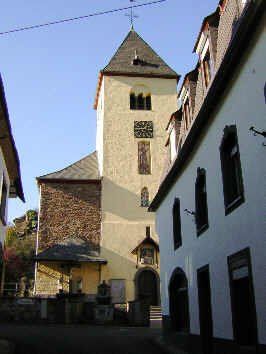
(210, 207)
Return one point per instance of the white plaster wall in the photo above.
(99, 131)
(3, 172)
(244, 105)
(124, 221)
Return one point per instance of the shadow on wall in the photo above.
(87, 193)
(72, 248)
(123, 203)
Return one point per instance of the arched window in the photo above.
(201, 201)
(140, 98)
(231, 170)
(144, 197)
(144, 157)
(177, 224)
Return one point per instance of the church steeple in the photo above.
(123, 63)
(150, 63)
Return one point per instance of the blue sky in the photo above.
(50, 73)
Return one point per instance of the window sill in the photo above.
(235, 204)
(202, 229)
(177, 245)
(141, 110)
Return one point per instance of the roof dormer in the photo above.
(173, 130)
(187, 95)
(206, 45)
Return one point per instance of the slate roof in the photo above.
(71, 249)
(84, 169)
(242, 37)
(148, 240)
(149, 61)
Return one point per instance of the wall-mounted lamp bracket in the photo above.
(256, 132)
(191, 213)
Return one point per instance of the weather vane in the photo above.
(131, 15)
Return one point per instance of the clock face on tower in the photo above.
(143, 129)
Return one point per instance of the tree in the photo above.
(32, 216)
(20, 248)
(14, 265)
(10, 236)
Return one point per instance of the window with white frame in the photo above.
(207, 68)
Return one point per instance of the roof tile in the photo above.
(86, 168)
(149, 62)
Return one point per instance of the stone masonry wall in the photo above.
(69, 208)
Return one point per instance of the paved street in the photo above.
(74, 339)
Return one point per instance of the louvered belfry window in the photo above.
(140, 102)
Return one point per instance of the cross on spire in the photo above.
(131, 15)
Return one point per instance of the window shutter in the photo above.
(240, 273)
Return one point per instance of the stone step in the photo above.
(155, 317)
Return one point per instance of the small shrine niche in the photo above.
(147, 251)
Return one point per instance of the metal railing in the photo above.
(18, 289)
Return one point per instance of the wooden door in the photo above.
(205, 310)
(147, 285)
(118, 291)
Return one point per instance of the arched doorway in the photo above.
(178, 298)
(147, 282)
(147, 286)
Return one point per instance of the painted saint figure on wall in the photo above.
(144, 157)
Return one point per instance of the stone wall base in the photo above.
(72, 309)
(191, 343)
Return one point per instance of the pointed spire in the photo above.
(135, 56)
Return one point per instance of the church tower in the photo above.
(94, 222)
(135, 96)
